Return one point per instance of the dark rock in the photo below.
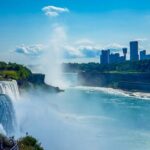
(37, 78)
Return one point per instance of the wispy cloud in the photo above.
(34, 50)
(141, 39)
(114, 46)
(54, 11)
(85, 48)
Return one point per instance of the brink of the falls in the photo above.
(10, 88)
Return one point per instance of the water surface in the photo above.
(83, 118)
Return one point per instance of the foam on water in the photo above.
(79, 120)
(139, 95)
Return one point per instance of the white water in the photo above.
(9, 93)
(2, 130)
(86, 118)
(81, 118)
(10, 88)
(7, 115)
(140, 95)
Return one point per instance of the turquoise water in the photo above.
(117, 121)
(86, 118)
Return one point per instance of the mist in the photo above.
(52, 57)
(81, 118)
(42, 116)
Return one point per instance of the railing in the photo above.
(15, 147)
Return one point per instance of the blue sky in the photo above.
(86, 24)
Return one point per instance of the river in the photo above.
(86, 118)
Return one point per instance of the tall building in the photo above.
(105, 56)
(134, 51)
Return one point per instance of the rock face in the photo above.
(37, 78)
(37, 82)
(125, 81)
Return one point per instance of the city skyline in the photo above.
(135, 54)
(27, 27)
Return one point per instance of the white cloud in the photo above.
(84, 42)
(114, 46)
(141, 39)
(54, 11)
(85, 48)
(71, 51)
(59, 46)
(34, 50)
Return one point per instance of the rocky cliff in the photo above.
(125, 81)
(36, 82)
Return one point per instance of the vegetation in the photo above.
(126, 67)
(25, 143)
(130, 75)
(14, 71)
(29, 143)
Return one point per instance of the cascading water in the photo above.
(8, 92)
(10, 88)
(7, 114)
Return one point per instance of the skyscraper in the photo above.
(134, 56)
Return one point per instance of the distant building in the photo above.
(109, 58)
(114, 58)
(143, 55)
(134, 51)
(125, 51)
(122, 59)
(105, 56)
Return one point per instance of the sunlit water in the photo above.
(83, 118)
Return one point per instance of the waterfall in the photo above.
(9, 88)
(7, 114)
(8, 92)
